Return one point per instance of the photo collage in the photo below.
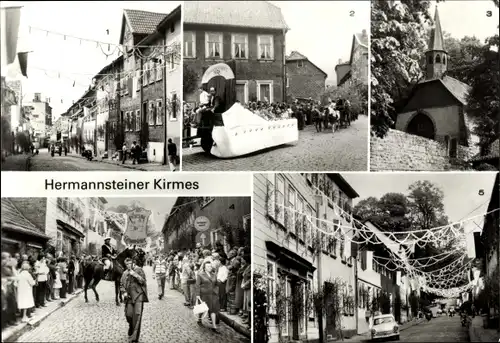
(250, 171)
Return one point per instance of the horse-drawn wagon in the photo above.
(235, 130)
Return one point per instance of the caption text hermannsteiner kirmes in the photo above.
(155, 184)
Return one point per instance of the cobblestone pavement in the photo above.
(346, 150)
(15, 162)
(441, 329)
(44, 162)
(166, 320)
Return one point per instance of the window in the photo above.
(242, 91)
(308, 231)
(280, 199)
(271, 286)
(127, 121)
(172, 28)
(189, 44)
(265, 91)
(132, 121)
(137, 120)
(59, 240)
(438, 58)
(239, 45)
(291, 209)
(266, 51)
(299, 223)
(174, 104)
(151, 113)
(159, 70)
(213, 46)
(145, 74)
(300, 63)
(159, 112)
(216, 236)
(287, 82)
(138, 79)
(171, 61)
(152, 71)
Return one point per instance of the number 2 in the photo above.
(351, 13)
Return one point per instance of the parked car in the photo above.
(384, 326)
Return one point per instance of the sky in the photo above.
(323, 30)
(160, 207)
(461, 190)
(467, 18)
(57, 63)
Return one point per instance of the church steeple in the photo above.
(436, 56)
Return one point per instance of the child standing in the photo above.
(25, 285)
(57, 283)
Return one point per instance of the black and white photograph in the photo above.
(362, 257)
(275, 85)
(126, 269)
(91, 86)
(434, 86)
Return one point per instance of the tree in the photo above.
(189, 80)
(463, 56)
(426, 205)
(483, 98)
(354, 91)
(397, 44)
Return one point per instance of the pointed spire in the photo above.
(436, 41)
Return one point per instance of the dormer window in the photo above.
(438, 58)
(300, 63)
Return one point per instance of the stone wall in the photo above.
(400, 151)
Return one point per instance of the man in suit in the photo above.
(216, 104)
(134, 288)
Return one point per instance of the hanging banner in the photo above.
(137, 223)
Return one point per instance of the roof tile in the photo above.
(143, 22)
(12, 215)
(258, 14)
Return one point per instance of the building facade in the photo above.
(357, 66)
(236, 31)
(436, 106)
(303, 78)
(207, 220)
(40, 118)
(285, 248)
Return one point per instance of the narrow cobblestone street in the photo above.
(346, 150)
(441, 329)
(166, 320)
(44, 162)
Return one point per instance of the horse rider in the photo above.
(108, 254)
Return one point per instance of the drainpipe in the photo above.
(356, 299)
(284, 66)
(320, 320)
(165, 157)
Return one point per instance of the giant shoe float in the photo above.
(238, 131)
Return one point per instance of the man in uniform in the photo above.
(108, 254)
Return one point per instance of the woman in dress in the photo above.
(57, 283)
(208, 291)
(25, 285)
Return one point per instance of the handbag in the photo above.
(200, 308)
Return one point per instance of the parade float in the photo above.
(238, 131)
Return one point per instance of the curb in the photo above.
(232, 323)
(25, 327)
(118, 164)
(414, 324)
(240, 328)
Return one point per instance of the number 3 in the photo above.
(489, 13)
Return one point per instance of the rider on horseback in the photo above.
(108, 254)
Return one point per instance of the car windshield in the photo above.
(383, 320)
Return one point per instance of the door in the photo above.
(240, 93)
(331, 326)
(265, 92)
(422, 125)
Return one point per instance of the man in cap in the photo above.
(216, 104)
(108, 254)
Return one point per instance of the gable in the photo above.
(125, 30)
(308, 68)
(428, 95)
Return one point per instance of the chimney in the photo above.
(340, 61)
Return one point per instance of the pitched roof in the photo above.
(257, 14)
(362, 38)
(297, 56)
(436, 41)
(143, 22)
(457, 88)
(13, 218)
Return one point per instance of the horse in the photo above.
(93, 272)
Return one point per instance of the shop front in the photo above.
(69, 239)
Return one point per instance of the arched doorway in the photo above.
(422, 125)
